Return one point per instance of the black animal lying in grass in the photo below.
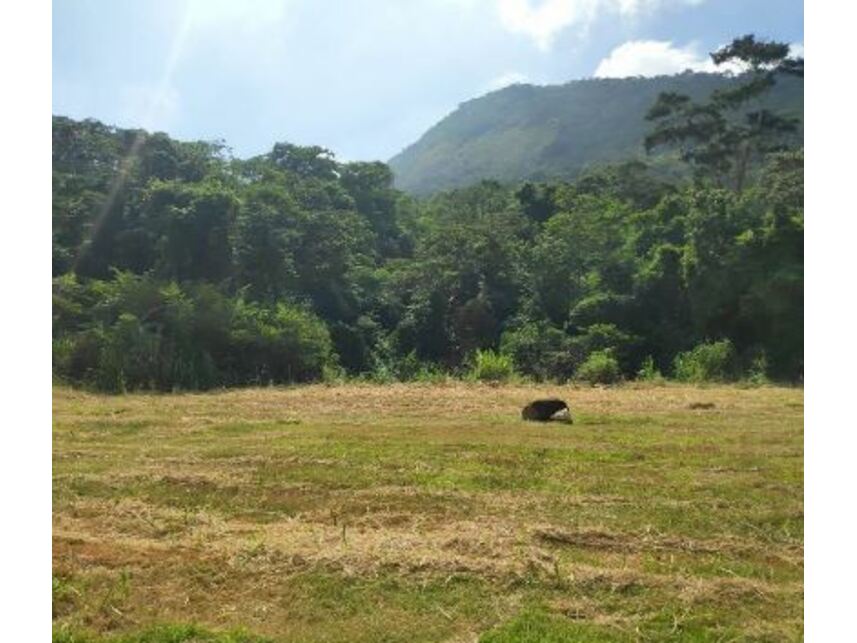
(544, 410)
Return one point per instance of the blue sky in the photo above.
(364, 78)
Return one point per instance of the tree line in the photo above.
(178, 266)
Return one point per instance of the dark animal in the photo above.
(543, 410)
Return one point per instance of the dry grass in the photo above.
(431, 512)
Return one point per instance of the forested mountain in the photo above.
(527, 132)
(177, 266)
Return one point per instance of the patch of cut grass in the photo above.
(535, 625)
(160, 634)
(428, 513)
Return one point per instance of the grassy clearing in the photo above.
(428, 513)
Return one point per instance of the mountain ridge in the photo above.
(538, 132)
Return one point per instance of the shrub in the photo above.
(600, 368)
(333, 374)
(355, 343)
(410, 369)
(541, 350)
(381, 373)
(431, 374)
(649, 372)
(77, 356)
(605, 337)
(406, 368)
(138, 333)
(282, 344)
(489, 366)
(707, 362)
(757, 373)
(130, 358)
(62, 353)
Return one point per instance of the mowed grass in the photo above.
(428, 513)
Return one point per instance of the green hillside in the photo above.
(540, 132)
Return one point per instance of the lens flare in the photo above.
(159, 99)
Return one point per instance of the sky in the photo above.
(364, 78)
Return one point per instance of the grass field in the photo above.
(428, 513)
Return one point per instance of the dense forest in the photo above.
(531, 132)
(177, 266)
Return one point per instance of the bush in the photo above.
(407, 367)
(707, 362)
(410, 369)
(649, 372)
(138, 333)
(757, 373)
(605, 337)
(432, 374)
(489, 366)
(77, 355)
(282, 344)
(381, 373)
(600, 368)
(541, 350)
(62, 354)
(332, 374)
(131, 357)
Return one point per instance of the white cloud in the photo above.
(542, 23)
(655, 58)
(649, 58)
(504, 80)
(796, 50)
(546, 19)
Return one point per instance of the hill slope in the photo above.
(538, 132)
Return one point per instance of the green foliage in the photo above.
(410, 369)
(649, 372)
(707, 362)
(601, 367)
(713, 139)
(266, 242)
(146, 334)
(542, 351)
(489, 366)
(195, 223)
(180, 268)
(757, 371)
(604, 337)
(277, 344)
(62, 352)
(305, 162)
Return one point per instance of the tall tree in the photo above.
(711, 136)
